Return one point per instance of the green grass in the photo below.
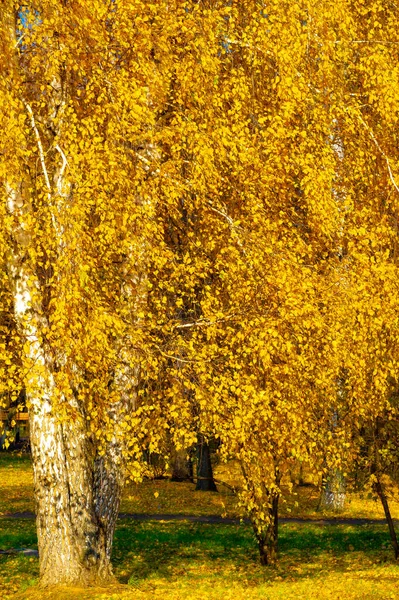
(17, 533)
(17, 572)
(187, 560)
(16, 490)
(183, 560)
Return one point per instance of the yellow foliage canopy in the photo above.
(200, 199)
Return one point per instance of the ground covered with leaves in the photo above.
(182, 560)
(186, 560)
(162, 496)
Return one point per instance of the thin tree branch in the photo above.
(61, 173)
(40, 147)
(204, 322)
(371, 133)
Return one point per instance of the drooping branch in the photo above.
(375, 141)
(39, 146)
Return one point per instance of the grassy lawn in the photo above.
(163, 496)
(182, 560)
(190, 560)
(16, 490)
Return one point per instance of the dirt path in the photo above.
(216, 519)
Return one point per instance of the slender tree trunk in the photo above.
(265, 527)
(379, 488)
(384, 501)
(333, 495)
(205, 481)
(190, 466)
(268, 538)
(301, 480)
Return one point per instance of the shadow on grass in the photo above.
(313, 539)
(146, 551)
(154, 547)
(17, 534)
(143, 551)
(13, 459)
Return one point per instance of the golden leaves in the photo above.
(223, 219)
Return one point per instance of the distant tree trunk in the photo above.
(182, 466)
(205, 481)
(333, 495)
(301, 480)
(378, 488)
(296, 475)
(268, 537)
(190, 466)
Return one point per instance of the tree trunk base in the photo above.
(267, 550)
(268, 538)
(384, 501)
(77, 501)
(79, 578)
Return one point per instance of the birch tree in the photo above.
(79, 96)
(125, 124)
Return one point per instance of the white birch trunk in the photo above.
(77, 497)
(77, 490)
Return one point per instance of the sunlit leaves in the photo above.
(212, 209)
